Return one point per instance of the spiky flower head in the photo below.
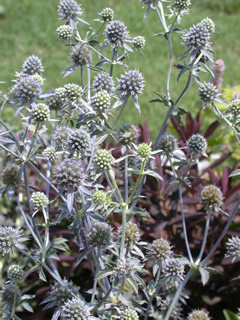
(132, 234)
(9, 238)
(234, 107)
(139, 42)
(60, 137)
(10, 175)
(208, 92)
(181, 4)
(130, 314)
(167, 143)
(65, 32)
(144, 150)
(101, 101)
(103, 81)
(32, 65)
(15, 272)
(103, 159)
(176, 312)
(209, 24)
(39, 79)
(61, 95)
(81, 55)
(127, 266)
(62, 293)
(69, 9)
(198, 315)
(173, 269)
(40, 112)
(131, 83)
(28, 88)
(79, 141)
(116, 32)
(75, 309)
(9, 293)
(50, 153)
(99, 197)
(68, 173)
(107, 14)
(233, 247)
(160, 249)
(211, 198)
(54, 101)
(39, 200)
(100, 235)
(128, 133)
(197, 37)
(197, 145)
(73, 91)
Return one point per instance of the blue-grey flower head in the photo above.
(208, 92)
(65, 32)
(60, 137)
(160, 250)
(197, 145)
(130, 314)
(73, 91)
(68, 174)
(116, 32)
(10, 175)
(233, 247)
(28, 88)
(40, 112)
(75, 309)
(197, 37)
(69, 10)
(62, 293)
(103, 159)
(101, 101)
(32, 65)
(54, 101)
(138, 42)
(131, 83)
(103, 81)
(198, 315)
(15, 272)
(173, 269)
(167, 143)
(79, 141)
(107, 14)
(132, 234)
(209, 24)
(211, 198)
(128, 133)
(50, 153)
(100, 235)
(81, 55)
(9, 238)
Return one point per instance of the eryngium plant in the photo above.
(80, 180)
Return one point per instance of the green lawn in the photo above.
(29, 27)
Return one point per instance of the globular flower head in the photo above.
(198, 315)
(69, 9)
(197, 37)
(211, 198)
(103, 81)
(107, 14)
(233, 247)
(101, 101)
(160, 250)
(81, 55)
(131, 83)
(116, 32)
(28, 88)
(144, 150)
(9, 238)
(75, 309)
(167, 143)
(128, 133)
(139, 42)
(132, 234)
(15, 272)
(40, 112)
(54, 101)
(10, 175)
(127, 267)
(60, 293)
(39, 200)
(209, 24)
(208, 92)
(100, 235)
(181, 4)
(197, 145)
(79, 141)
(64, 32)
(99, 197)
(73, 91)
(32, 65)
(234, 107)
(130, 314)
(61, 95)
(60, 137)
(39, 79)
(173, 269)
(103, 159)
(50, 153)
(68, 173)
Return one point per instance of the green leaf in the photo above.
(133, 284)
(229, 315)
(104, 274)
(204, 275)
(235, 173)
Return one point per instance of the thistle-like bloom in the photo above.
(27, 88)
(160, 250)
(103, 81)
(208, 92)
(100, 235)
(181, 4)
(197, 145)
(131, 83)
(60, 137)
(9, 293)
(167, 143)
(128, 133)
(198, 315)
(69, 10)
(50, 153)
(81, 55)
(75, 309)
(132, 234)
(15, 272)
(65, 32)
(127, 267)
(107, 14)
(173, 270)
(197, 37)
(54, 101)
(130, 314)
(233, 247)
(211, 198)
(101, 101)
(61, 95)
(39, 79)
(139, 42)
(39, 200)
(10, 175)
(99, 197)
(79, 141)
(60, 294)
(73, 91)
(32, 65)
(68, 174)
(209, 24)
(144, 150)
(9, 238)
(103, 159)
(234, 107)
(116, 32)
(40, 112)
(177, 310)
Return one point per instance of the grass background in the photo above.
(29, 27)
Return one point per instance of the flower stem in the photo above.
(204, 237)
